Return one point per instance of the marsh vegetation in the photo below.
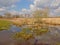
(35, 33)
(4, 25)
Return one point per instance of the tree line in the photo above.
(35, 14)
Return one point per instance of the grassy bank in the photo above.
(4, 25)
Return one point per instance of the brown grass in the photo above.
(21, 21)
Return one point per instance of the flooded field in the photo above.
(29, 22)
(50, 38)
(5, 35)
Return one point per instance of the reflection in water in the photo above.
(51, 37)
(14, 28)
(5, 36)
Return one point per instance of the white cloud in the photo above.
(40, 3)
(7, 2)
(47, 3)
(13, 6)
(6, 5)
(25, 11)
(54, 5)
(57, 11)
(32, 7)
(2, 9)
(13, 12)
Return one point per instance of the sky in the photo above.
(27, 6)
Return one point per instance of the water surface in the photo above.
(51, 37)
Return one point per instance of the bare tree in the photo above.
(8, 15)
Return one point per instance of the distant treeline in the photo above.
(36, 14)
(9, 15)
